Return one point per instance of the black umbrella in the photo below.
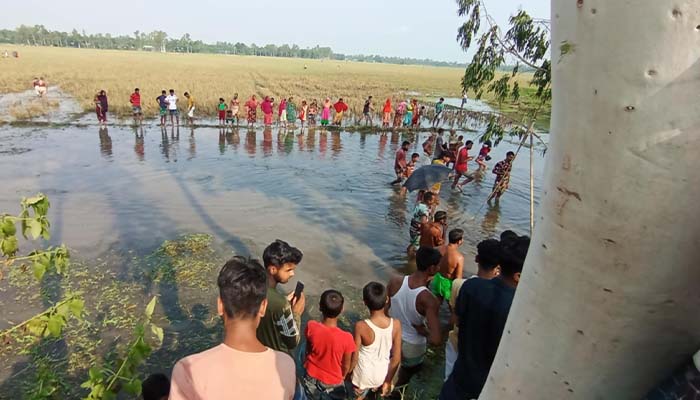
(425, 177)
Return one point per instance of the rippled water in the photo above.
(325, 192)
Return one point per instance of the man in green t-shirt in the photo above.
(279, 328)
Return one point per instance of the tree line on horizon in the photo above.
(38, 35)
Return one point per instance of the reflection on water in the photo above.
(329, 191)
(105, 143)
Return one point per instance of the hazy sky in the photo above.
(406, 28)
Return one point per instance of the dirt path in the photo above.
(55, 106)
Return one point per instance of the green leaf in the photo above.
(7, 226)
(55, 325)
(39, 270)
(158, 332)
(34, 226)
(151, 307)
(9, 246)
(76, 307)
(95, 374)
(132, 387)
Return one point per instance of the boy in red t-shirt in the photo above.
(329, 349)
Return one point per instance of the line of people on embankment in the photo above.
(286, 113)
(262, 328)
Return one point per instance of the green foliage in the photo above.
(51, 323)
(104, 384)
(526, 41)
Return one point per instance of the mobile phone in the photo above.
(297, 291)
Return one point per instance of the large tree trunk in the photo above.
(609, 303)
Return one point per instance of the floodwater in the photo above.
(324, 192)
(124, 191)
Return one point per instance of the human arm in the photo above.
(359, 329)
(395, 360)
(428, 306)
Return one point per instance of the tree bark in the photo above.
(609, 303)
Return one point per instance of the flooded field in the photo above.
(117, 194)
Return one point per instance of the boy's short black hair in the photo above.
(162, 91)
(510, 153)
(331, 303)
(513, 256)
(172, 90)
(442, 99)
(220, 98)
(440, 216)
(155, 387)
(455, 236)
(489, 253)
(414, 155)
(279, 253)
(136, 90)
(242, 287)
(405, 143)
(426, 257)
(374, 296)
(469, 142)
(507, 237)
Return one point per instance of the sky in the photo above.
(403, 28)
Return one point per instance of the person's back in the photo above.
(482, 311)
(452, 262)
(378, 339)
(220, 372)
(416, 308)
(241, 366)
(329, 349)
(432, 234)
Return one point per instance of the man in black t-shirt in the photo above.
(367, 111)
(482, 310)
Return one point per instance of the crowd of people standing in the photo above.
(380, 356)
(287, 113)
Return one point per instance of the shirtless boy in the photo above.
(451, 266)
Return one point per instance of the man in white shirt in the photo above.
(172, 107)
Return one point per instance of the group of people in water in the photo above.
(380, 356)
(453, 152)
(286, 113)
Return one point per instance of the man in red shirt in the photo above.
(400, 162)
(462, 165)
(329, 350)
(135, 101)
(340, 109)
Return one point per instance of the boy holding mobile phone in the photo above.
(279, 328)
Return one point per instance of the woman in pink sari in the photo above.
(251, 107)
(326, 114)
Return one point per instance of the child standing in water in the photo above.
(484, 155)
(222, 107)
(378, 340)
